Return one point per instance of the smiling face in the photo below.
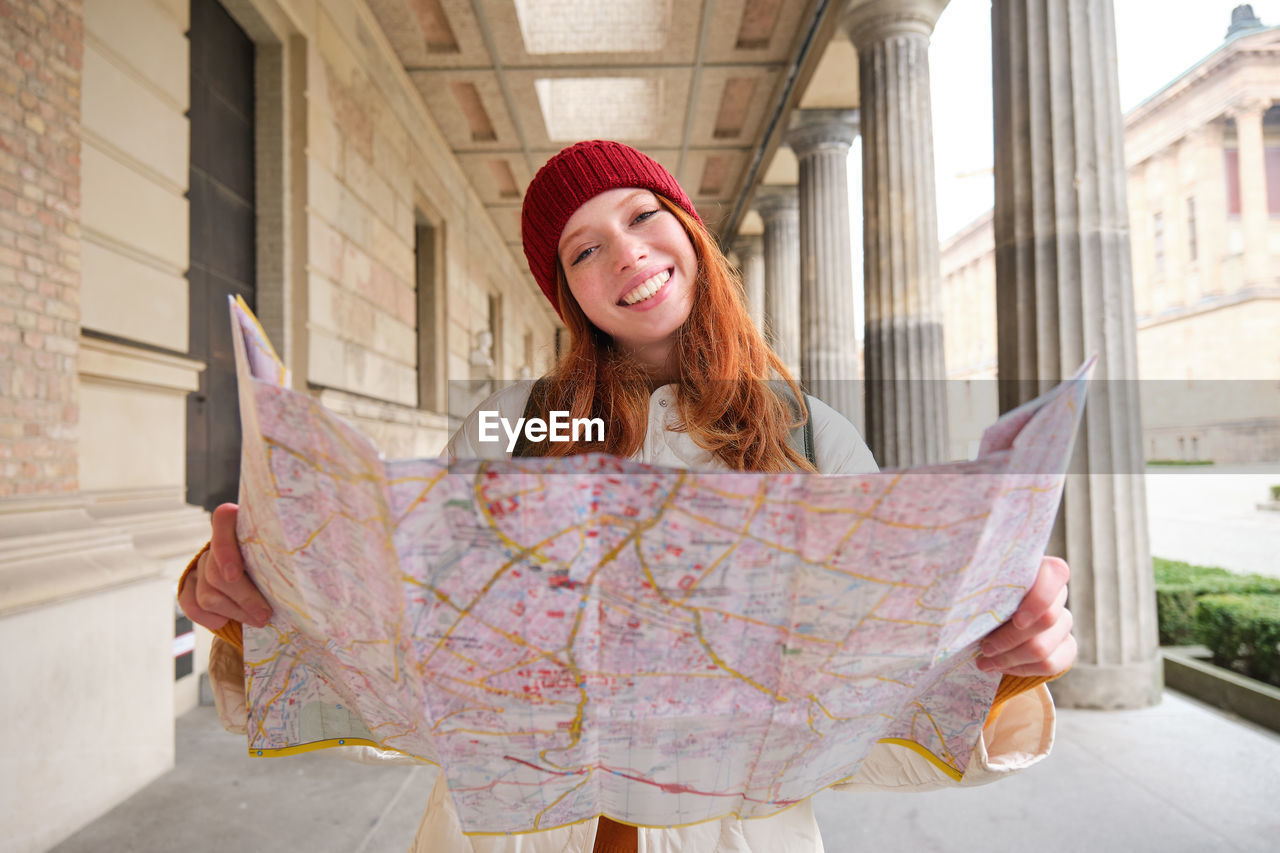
(632, 268)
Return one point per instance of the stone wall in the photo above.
(41, 55)
(377, 169)
(94, 317)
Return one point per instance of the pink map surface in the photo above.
(593, 636)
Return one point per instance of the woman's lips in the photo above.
(646, 289)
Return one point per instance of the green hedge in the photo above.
(1180, 586)
(1242, 632)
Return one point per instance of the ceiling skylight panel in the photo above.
(592, 26)
(622, 108)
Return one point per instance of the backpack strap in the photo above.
(800, 438)
(534, 407)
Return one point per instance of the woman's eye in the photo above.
(581, 256)
(641, 217)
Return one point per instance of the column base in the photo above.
(1110, 687)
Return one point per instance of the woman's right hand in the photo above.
(218, 589)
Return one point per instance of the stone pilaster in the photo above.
(1064, 291)
(1253, 190)
(1211, 208)
(779, 208)
(905, 397)
(828, 340)
(750, 251)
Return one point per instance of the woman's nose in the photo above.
(630, 253)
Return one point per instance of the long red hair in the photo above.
(723, 362)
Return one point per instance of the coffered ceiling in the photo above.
(702, 86)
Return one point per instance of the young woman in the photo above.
(663, 350)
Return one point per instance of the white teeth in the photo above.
(647, 288)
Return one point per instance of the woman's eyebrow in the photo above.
(573, 235)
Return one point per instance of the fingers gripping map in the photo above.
(592, 635)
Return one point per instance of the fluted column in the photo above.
(828, 340)
(905, 398)
(750, 251)
(1253, 190)
(779, 208)
(1064, 291)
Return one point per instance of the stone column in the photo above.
(1064, 291)
(905, 398)
(1253, 190)
(779, 208)
(828, 341)
(750, 251)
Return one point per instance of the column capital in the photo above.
(812, 131)
(871, 21)
(748, 245)
(1247, 107)
(775, 200)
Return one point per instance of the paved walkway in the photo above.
(1177, 777)
(1209, 516)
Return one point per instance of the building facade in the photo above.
(1202, 157)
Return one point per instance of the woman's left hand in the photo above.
(1037, 638)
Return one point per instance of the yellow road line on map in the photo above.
(636, 531)
(426, 490)
(587, 778)
(499, 691)
(436, 725)
(937, 730)
(533, 660)
(823, 564)
(742, 534)
(466, 697)
(852, 630)
(532, 733)
(470, 698)
(621, 675)
(812, 697)
(698, 631)
(288, 678)
(318, 463)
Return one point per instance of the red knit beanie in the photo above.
(573, 177)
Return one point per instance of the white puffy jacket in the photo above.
(1021, 736)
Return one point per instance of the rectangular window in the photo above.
(1191, 229)
(528, 355)
(432, 357)
(1157, 242)
(1232, 159)
(494, 325)
(1272, 163)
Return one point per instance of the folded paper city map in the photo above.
(591, 635)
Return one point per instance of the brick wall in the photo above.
(41, 50)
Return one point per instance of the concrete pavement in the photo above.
(1177, 777)
(1209, 516)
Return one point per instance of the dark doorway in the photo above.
(222, 242)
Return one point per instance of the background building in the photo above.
(1203, 162)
